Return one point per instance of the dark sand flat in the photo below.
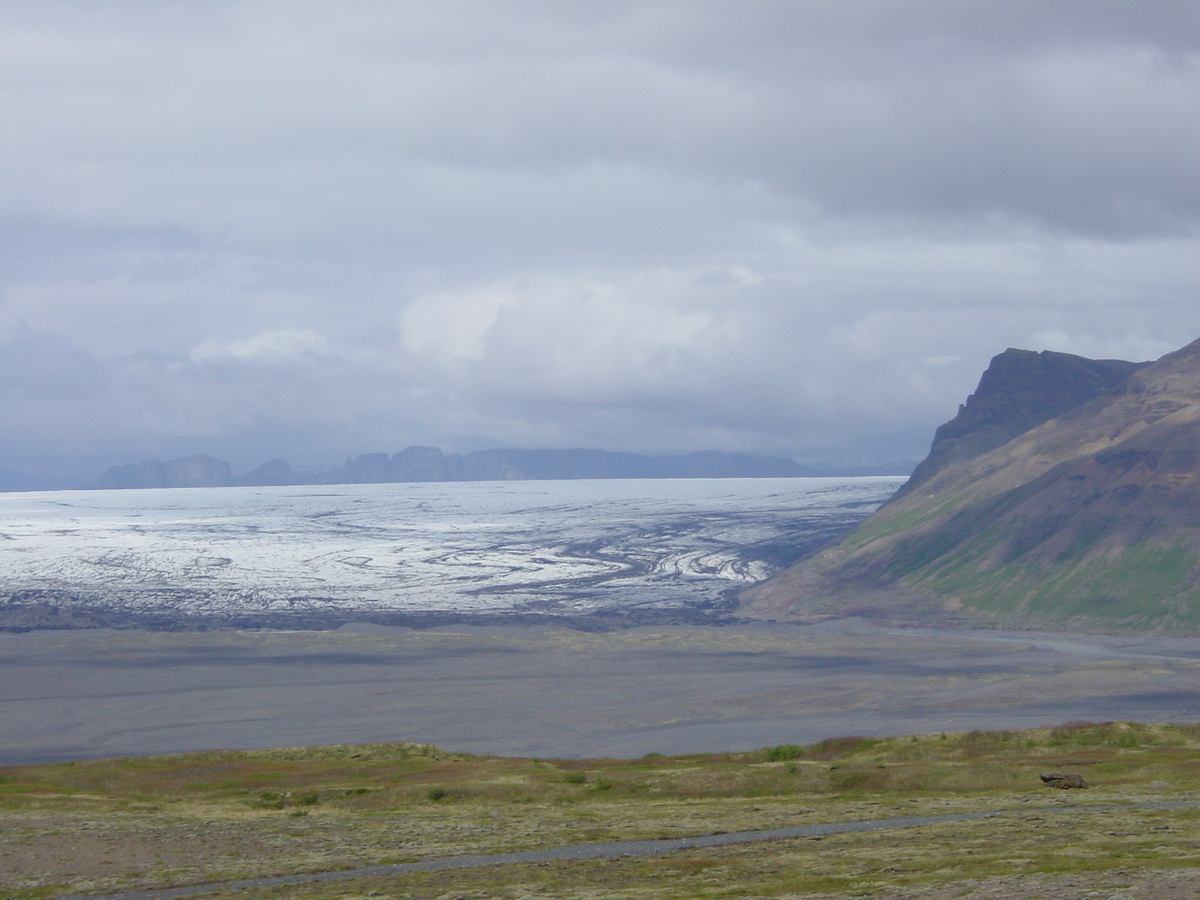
(554, 692)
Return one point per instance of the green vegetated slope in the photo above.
(102, 826)
(1089, 520)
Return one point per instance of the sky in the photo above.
(315, 229)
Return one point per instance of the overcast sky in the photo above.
(309, 230)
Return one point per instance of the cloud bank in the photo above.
(258, 229)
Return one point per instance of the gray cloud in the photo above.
(39, 366)
(261, 229)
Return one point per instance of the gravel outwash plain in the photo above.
(555, 692)
(546, 733)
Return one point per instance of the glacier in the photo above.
(555, 547)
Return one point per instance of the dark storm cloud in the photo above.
(307, 229)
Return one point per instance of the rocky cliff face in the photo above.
(1091, 519)
(190, 471)
(1019, 390)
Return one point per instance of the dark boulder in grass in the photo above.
(1064, 780)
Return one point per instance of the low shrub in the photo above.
(783, 752)
(839, 746)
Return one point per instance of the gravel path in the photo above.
(609, 850)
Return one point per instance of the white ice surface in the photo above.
(561, 546)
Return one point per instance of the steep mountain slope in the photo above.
(1091, 519)
(1020, 390)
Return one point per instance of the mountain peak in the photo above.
(1090, 519)
(1019, 390)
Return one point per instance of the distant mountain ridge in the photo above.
(1089, 520)
(191, 471)
(430, 464)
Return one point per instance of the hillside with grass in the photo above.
(123, 824)
(1090, 520)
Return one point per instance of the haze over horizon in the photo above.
(306, 230)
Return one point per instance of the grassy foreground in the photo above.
(123, 824)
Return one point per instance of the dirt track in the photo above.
(628, 849)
